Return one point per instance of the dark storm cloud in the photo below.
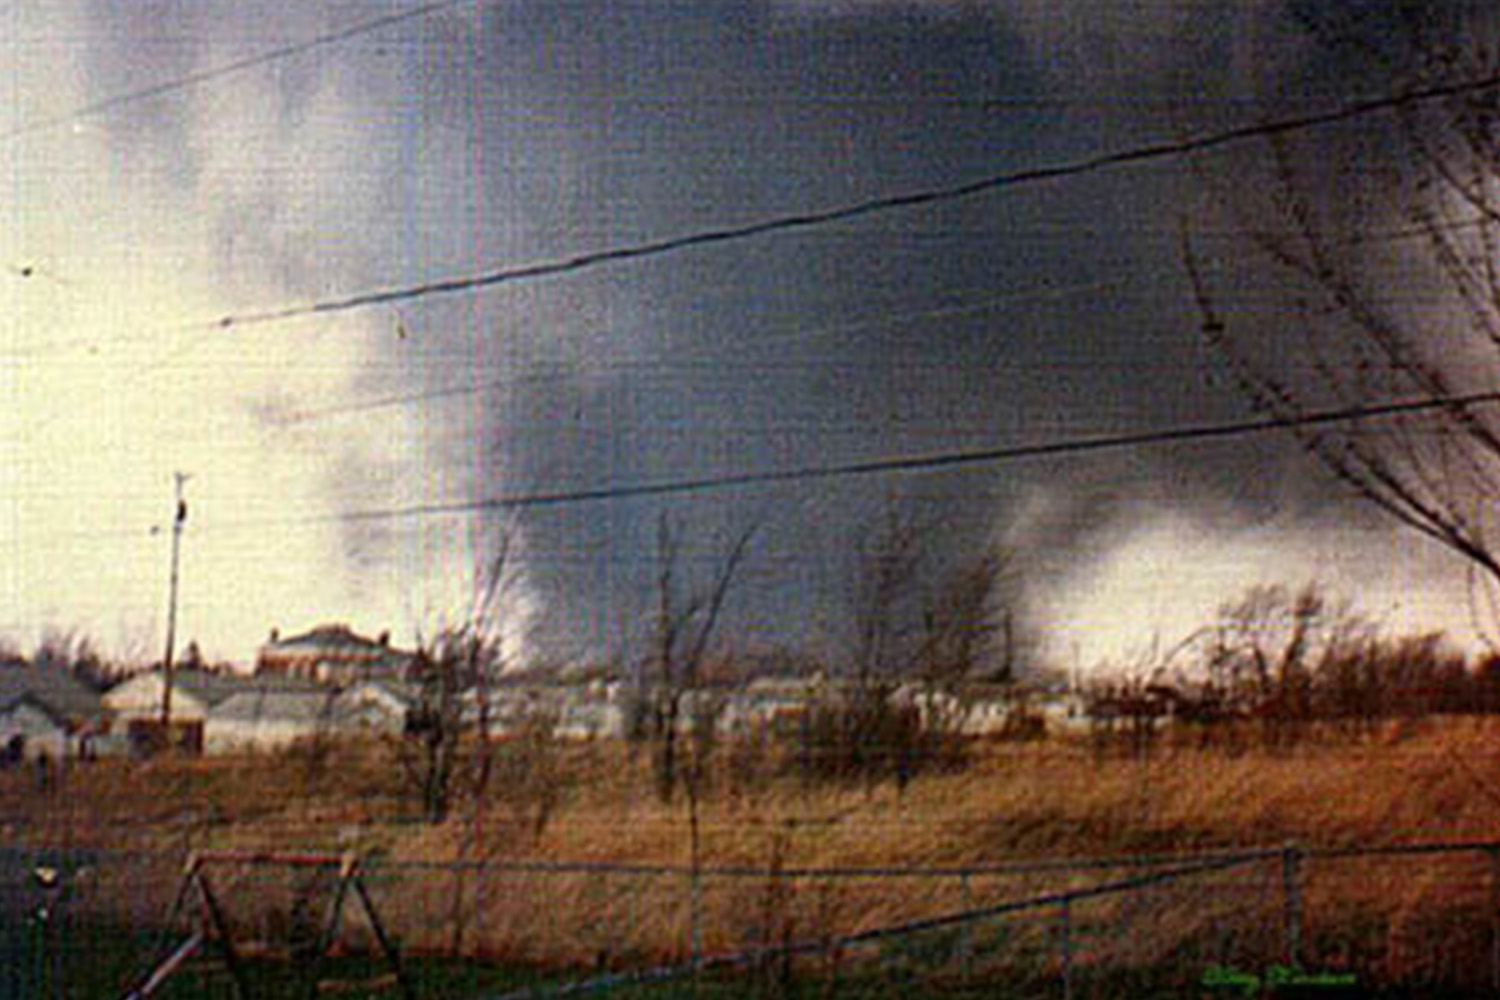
(1038, 315)
(519, 132)
(1006, 319)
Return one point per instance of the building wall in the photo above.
(370, 707)
(140, 697)
(231, 735)
(41, 733)
(590, 720)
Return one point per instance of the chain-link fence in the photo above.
(74, 922)
(94, 924)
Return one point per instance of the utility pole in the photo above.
(179, 519)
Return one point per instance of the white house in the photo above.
(194, 693)
(587, 719)
(1065, 712)
(268, 719)
(45, 710)
(332, 654)
(987, 716)
(374, 707)
(769, 701)
(34, 730)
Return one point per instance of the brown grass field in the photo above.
(1435, 780)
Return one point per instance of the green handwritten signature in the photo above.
(1225, 977)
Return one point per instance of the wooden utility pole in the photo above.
(179, 518)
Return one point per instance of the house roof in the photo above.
(337, 646)
(213, 688)
(207, 687)
(397, 691)
(45, 710)
(53, 688)
(327, 638)
(266, 704)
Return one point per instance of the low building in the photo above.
(194, 693)
(46, 711)
(30, 729)
(374, 707)
(588, 719)
(1065, 712)
(137, 703)
(332, 654)
(265, 718)
(771, 701)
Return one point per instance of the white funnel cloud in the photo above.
(1154, 583)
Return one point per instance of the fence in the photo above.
(81, 925)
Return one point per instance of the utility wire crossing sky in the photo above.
(226, 155)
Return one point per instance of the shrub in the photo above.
(864, 734)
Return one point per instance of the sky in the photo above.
(327, 452)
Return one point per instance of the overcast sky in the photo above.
(496, 134)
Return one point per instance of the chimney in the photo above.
(385, 639)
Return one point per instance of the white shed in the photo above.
(47, 710)
(268, 719)
(41, 732)
(376, 706)
(587, 719)
(194, 693)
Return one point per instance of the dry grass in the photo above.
(1437, 781)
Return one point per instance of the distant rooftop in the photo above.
(212, 688)
(327, 637)
(260, 703)
(53, 687)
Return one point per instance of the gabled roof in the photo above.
(52, 688)
(400, 692)
(209, 688)
(213, 688)
(47, 711)
(327, 638)
(278, 705)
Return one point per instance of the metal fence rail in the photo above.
(1063, 903)
(83, 924)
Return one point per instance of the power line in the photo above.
(194, 80)
(880, 466)
(847, 213)
(92, 342)
(888, 466)
(707, 358)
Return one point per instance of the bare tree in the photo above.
(672, 697)
(75, 652)
(1381, 243)
(921, 635)
(484, 638)
(888, 598)
(429, 751)
(970, 626)
(1262, 653)
(454, 673)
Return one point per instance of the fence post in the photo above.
(1065, 946)
(638, 888)
(603, 951)
(1291, 894)
(481, 903)
(1493, 852)
(965, 930)
(694, 901)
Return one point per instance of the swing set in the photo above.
(211, 935)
